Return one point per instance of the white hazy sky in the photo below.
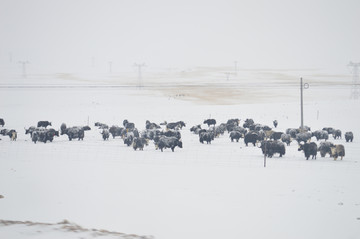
(178, 33)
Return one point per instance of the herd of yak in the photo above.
(271, 141)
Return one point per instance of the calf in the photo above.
(13, 135)
(338, 150)
(310, 149)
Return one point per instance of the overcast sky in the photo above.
(180, 33)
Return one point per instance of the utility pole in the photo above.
(139, 66)
(236, 67)
(110, 66)
(355, 87)
(302, 87)
(92, 62)
(227, 75)
(23, 63)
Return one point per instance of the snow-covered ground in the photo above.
(220, 190)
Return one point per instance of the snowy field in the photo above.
(203, 191)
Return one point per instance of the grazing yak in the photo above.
(128, 125)
(151, 133)
(349, 136)
(338, 150)
(175, 125)
(251, 137)
(76, 132)
(43, 135)
(259, 127)
(210, 122)
(2, 122)
(172, 133)
(231, 124)
(248, 123)
(195, 129)
(330, 130)
(206, 136)
(337, 134)
(235, 135)
(286, 138)
(310, 149)
(325, 148)
(220, 129)
(293, 132)
(129, 138)
(320, 134)
(139, 143)
(168, 142)
(149, 125)
(11, 133)
(43, 124)
(30, 130)
(303, 137)
(270, 147)
(105, 134)
(276, 135)
(116, 131)
(101, 125)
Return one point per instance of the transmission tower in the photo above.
(355, 87)
(139, 66)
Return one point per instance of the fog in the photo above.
(68, 36)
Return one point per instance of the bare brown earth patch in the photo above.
(69, 227)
